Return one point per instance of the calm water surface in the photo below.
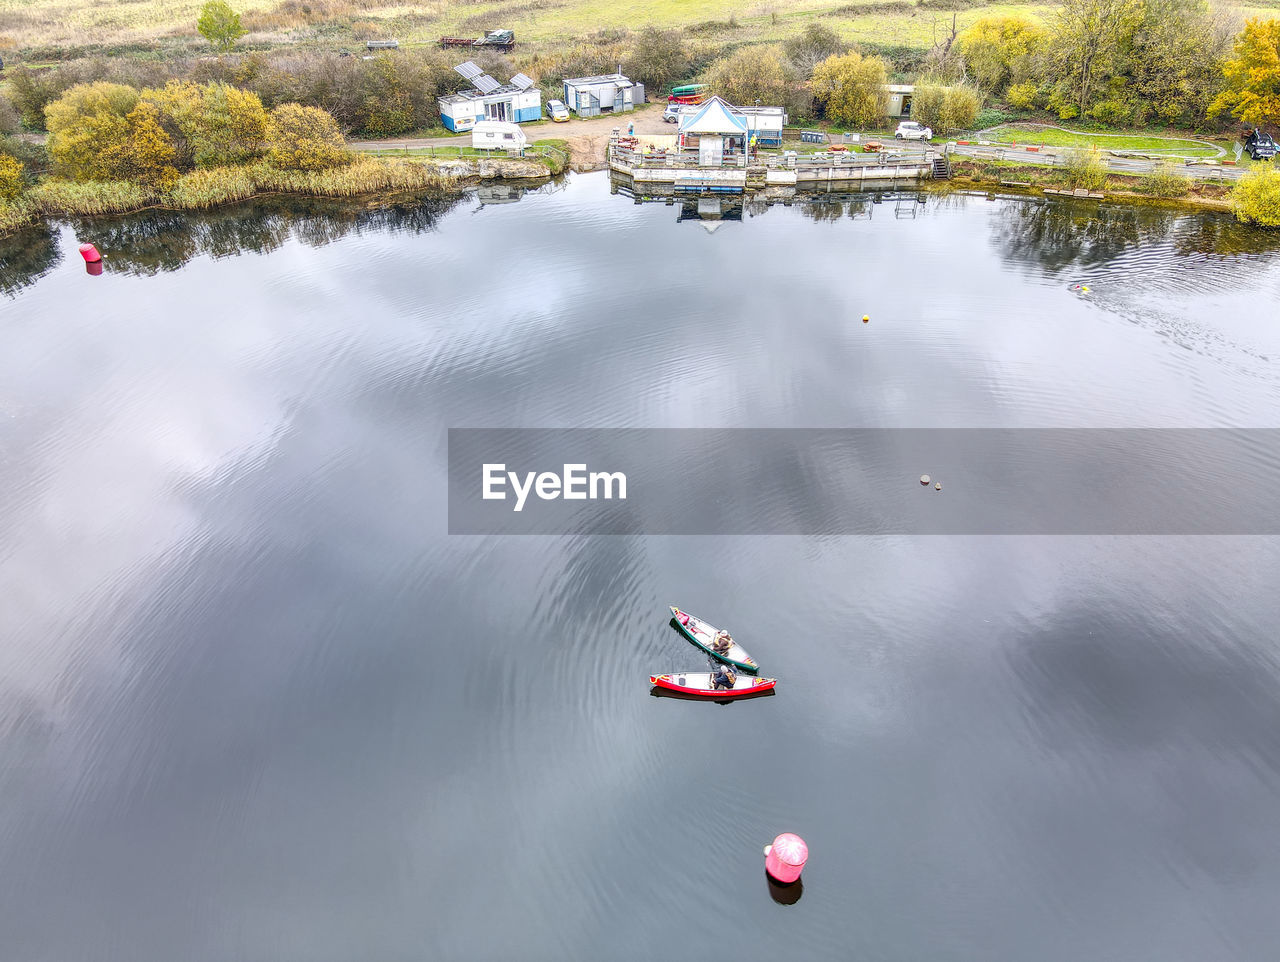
(256, 704)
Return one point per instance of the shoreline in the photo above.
(394, 178)
(456, 177)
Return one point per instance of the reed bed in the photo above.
(364, 175)
(202, 189)
(95, 197)
(14, 214)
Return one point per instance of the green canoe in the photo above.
(703, 634)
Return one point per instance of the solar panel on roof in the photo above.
(468, 70)
(486, 84)
(521, 81)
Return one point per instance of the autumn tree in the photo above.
(852, 89)
(999, 51)
(757, 73)
(1087, 49)
(658, 58)
(212, 125)
(88, 126)
(304, 138)
(813, 45)
(1175, 61)
(1252, 76)
(219, 24)
(145, 154)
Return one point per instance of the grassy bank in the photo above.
(1009, 176)
(204, 189)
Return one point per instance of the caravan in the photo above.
(497, 135)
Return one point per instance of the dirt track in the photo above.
(588, 139)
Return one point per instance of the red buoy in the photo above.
(90, 253)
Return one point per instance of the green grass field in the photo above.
(1055, 137)
(54, 28)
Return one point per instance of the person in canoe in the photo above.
(722, 643)
(723, 678)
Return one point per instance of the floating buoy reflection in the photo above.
(784, 893)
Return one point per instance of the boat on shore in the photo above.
(703, 634)
(698, 684)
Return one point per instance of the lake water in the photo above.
(257, 704)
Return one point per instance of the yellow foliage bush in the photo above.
(10, 177)
(1256, 198)
(851, 89)
(305, 139)
(1023, 96)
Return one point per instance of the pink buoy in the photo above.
(89, 253)
(784, 859)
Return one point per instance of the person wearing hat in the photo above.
(723, 678)
(722, 643)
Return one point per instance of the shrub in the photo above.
(1165, 181)
(945, 108)
(88, 128)
(1114, 113)
(10, 177)
(1023, 96)
(658, 58)
(851, 89)
(1086, 169)
(1256, 198)
(213, 124)
(10, 122)
(757, 73)
(304, 138)
(145, 155)
(812, 46)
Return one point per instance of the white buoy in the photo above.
(924, 479)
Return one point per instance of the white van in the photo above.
(497, 135)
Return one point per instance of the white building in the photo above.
(516, 102)
(900, 99)
(609, 93)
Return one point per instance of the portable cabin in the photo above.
(900, 99)
(606, 94)
(497, 135)
(516, 102)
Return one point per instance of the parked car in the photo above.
(910, 130)
(1260, 146)
(557, 111)
(672, 114)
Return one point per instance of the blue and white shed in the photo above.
(606, 94)
(516, 102)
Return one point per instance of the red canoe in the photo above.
(699, 683)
